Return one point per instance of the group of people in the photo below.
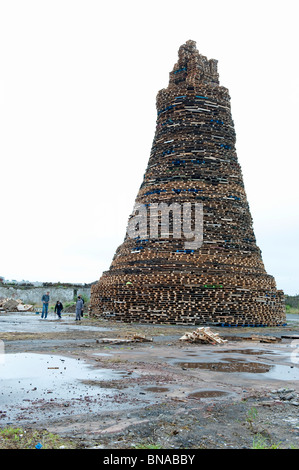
(59, 307)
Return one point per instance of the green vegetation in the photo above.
(85, 298)
(260, 442)
(251, 416)
(290, 309)
(292, 303)
(68, 304)
(148, 446)
(11, 433)
(18, 438)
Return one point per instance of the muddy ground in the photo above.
(67, 378)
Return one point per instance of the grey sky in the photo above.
(78, 85)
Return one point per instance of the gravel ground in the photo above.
(73, 379)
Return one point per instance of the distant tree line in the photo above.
(292, 300)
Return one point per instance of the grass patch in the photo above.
(260, 442)
(147, 446)
(19, 438)
(251, 416)
(292, 310)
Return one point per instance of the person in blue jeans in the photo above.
(45, 301)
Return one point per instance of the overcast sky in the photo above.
(78, 86)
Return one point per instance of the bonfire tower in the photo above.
(193, 160)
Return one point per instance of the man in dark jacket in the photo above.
(58, 308)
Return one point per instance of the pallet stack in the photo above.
(203, 335)
(193, 159)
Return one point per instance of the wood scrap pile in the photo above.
(140, 339)
(112, 340)
(193, 159)
(128, 339)
(203, 335)
(265, 339)
(14, 305)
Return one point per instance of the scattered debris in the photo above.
(265, 339)
(286, 394)
(132, 339)
(140, 339)
(203, 335)
(112, 340)
(24, 308)
(14, 305)
(179, 399)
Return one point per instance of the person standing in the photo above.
(82, 299)
(45, 301)
(58, 308)
(82, 305)
(79, 308)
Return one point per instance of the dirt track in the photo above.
(61, 376)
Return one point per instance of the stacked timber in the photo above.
(203, 335)
(156, 279)
(14, 305)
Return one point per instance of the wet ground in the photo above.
(66, 377)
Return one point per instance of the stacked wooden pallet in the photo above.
(203, 335)
(193, 160)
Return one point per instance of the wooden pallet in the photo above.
(193, 159)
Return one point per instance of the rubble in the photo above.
(203, 335)
(141, 339)
(129, 339)
(285, 394)
(14, 305)
(25, 308)
(265, 339)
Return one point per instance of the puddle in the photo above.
(254, 352)
(30, 322)
(281, 372)
(103, 354)
(230, 366)
(157, 389)
(49, 384)
(268, 371)
(208, 394)
(293, 319)
(22, 372)
(42, 388)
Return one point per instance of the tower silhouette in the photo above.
(155, 275)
